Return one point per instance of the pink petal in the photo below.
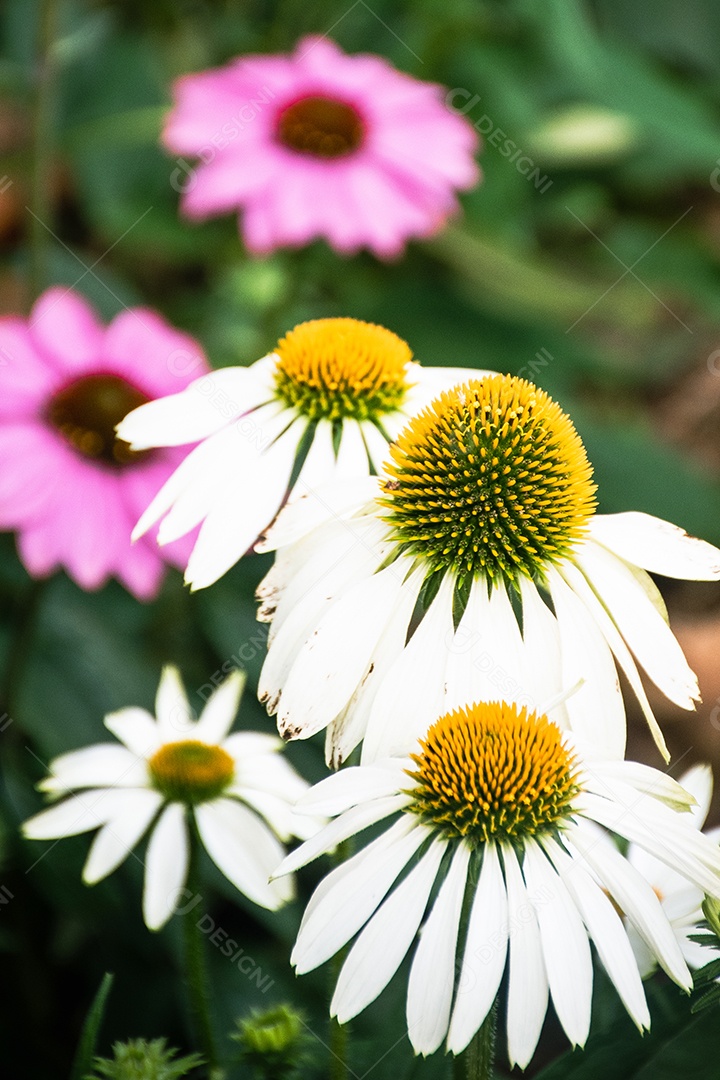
(26, 380)
(65, 329)
(140, 345)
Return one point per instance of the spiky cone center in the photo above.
(190, 771)
(490, 480)
(493, 772)
(86, 412)
(321, 127)
(337, 369)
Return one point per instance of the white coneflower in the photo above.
(496, 815)
(475, 564)
(326, 402)
(172, 774)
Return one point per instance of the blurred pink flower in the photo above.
(68, 486)
(320, 144)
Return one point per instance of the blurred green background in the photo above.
(595, 272)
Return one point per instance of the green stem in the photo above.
(338, 1035)
(196, 974)
(476, 1062)
(40, 201)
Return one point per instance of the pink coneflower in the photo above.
(69, 487)
(320, 144)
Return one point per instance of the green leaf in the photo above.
(91, 1030)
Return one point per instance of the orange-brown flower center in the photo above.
(321, 127)
(190, 771)
(86, 412)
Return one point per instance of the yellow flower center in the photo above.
(342, 368)
(190, 771)
(493, 771)
(86, 412)
(491, 479)
(321, 127)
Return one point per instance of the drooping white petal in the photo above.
(338, 499)
(244, 849)
(353, 786)
(136, 728)
(698, 781)
(470, 667)
(615, 640)
(565, 945)
(432, 975)
(332, 662)
(121, 832)
(352, 458)
(656, 545)
(166, 865)
(633, 895)
(596, 711)
(345, 732)
(102, 765)
(607, 931)
(172, 708)
(645, 631)
(527, 998)
(383, 944)
(220, 709)
(205, 406)
(341, 828)
(543, 661)
(410, 696)
(485, 953)
(319, 464)
(353, 896)
(377, 445)
(250, 744)
(233, 525)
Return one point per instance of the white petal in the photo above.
(646, 779)
(174, 717)
(698, 781)
(244, 849)
(543, 661)
(78, 814)
(271, 773)
(166, 864)
(337, 499)
(332, 662)
(596, 711)
(350, 898)
(344, 734)
(136, 728)
(633, 895)
(432, 975)
(377, 446)
(615, 640)
(645, 631)
(383, 944)
(352, 459)
(410, 696)
(661, 831)
(204, 407)
(528, 984)
(357, 784)
(250, 744)
(607, 931)
(121, 833)
(233, 526)
(485, 953)
(346, 825)
(657, 546)
(220, 709)
(565, 946)
(102, 765)
(319, 464)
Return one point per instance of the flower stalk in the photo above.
(40, 203)
(196, 974)
(477, 1061)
